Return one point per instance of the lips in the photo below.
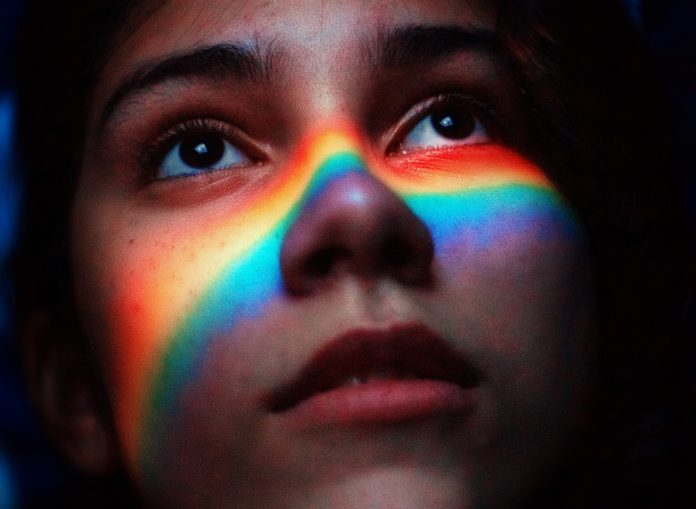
(400, 373)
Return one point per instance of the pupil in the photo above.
(455, 125)
(202, 151)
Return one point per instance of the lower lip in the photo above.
(383, 401)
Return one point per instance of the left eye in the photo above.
(198, 153)
(446, 125)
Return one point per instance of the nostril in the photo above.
(397, 254)
(321, 263)
(406, 260)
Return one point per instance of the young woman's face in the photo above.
(314, 265)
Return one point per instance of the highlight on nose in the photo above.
(355, 226)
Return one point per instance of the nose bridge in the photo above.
(349, 223)
(331, 153)
(330, 172)
(339, 170)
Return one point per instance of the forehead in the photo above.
(302, 21)
(314, 30)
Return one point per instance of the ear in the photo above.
(69, 396)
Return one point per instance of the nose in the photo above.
(355, 226)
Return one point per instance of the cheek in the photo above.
(514, 278)
(157, 288)
(484, 222)
(510, 254)
(484, 201)
(153, 288)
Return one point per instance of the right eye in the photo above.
(198, 153)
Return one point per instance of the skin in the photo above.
(195, 294)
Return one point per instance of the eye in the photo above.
(200, 152)
(444, 122)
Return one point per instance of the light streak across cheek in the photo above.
(166, 298)
(481, 219)
(474, 191)
(480, 195)
(240, 291)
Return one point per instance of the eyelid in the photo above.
(484, 112)
(152, 154)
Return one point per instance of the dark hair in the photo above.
(598, 107)
(594, 107)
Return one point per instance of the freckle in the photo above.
(131, 241)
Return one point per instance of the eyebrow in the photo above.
(243, 62)
(415, 44)
(392, 48)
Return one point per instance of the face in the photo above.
(316, 265)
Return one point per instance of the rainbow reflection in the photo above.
(476, 192)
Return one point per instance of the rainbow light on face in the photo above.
(474, 191)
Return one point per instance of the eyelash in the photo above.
(483, 111)
(153, 153)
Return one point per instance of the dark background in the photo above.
(30, 470)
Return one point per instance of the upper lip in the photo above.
(405, 351)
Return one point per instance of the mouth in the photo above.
(371, 376)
